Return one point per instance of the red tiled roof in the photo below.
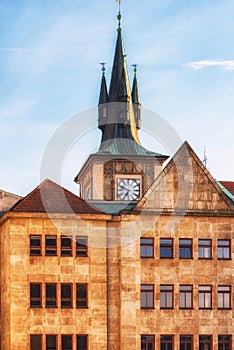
(229, 185)
(49, 197)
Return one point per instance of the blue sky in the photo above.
(49, 67)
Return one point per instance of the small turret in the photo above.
(103, 101)
(136, 99)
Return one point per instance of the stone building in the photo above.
(143, 259)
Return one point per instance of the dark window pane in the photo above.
(66, 342)
(81, 246)
(146, 245)
(81, 295)
(147, 342)
(81, 342)
(51, 290)
(35, 342)
(35, 245)
(66, 295)
(66, 246)
(35, 295)
(51, 245)
(166, 248)
(51, 342)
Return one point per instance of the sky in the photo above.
(49, 66)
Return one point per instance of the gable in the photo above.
(185, 185)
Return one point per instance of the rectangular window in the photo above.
(51, 245)
(82, 342)
(51, 295)
(205, 297)
(224, 297)
(166, 296)
(66, 295)
(51, 342)
(66, 246)
(224, 342)
(205, 342)
(81, 246)
(35, 245)
(186, 297)
(81, 295)
(147, 342)
(66, 341)
(185, 248)
(35, 342)
(186, 342)
(166, 342)
(166, 248)
(35, 295)
(224, 249)
(147, 296)
(204, 249)
(147, 247)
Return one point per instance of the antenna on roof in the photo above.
(205, 157)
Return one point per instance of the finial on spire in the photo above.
(119, 17)
(103, 64)
(135, 69)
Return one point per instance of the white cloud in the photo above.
(224, 64)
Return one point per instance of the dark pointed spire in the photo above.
(103, 97)
(136, 99)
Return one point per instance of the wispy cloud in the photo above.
(224, 64)
(13, 49)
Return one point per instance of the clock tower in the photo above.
(122, 169)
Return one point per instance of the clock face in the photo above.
(128, 189)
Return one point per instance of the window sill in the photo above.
(147, 308)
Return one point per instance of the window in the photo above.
(66, 341)
(66, 246)
(81, 246)
(186, 342)
(224, 297)
(51, 245)
(205, 342)
(35, 342)
(147, 247)
(51, 295)
(224, 249)
(147, 342)
(81, 342)
(51, 342)
(166, 296)
(166, 342)
(166, 248)
(185, 248)
(66, 295)
(35, 295)
(35, 245)
(147, 296)
(224, 342)
(186, 297)
(204, 249)
(205, 293)
(81, 295)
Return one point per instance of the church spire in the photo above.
(103, 101)
(136, 98)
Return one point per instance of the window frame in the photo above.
(186, 342)
(86, 339)
(66, 299)
(146, 342)
(223, 293)
(164, 246)
(64, 250)
(33, 248)
(33, 298)
(147, 292)
(204, 341)
(167, 292)
(166, 342)
(223, 343)
(51, 299)
(80, 299)
(203, 246)
(223, 247)
(40, 338)
(186, 246)
(48, 249)
(147, 247)
(185, 292)
(80, 248)
(203, 293)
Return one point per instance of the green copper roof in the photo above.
(123, 146)
(113, 208)
(225, 191)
